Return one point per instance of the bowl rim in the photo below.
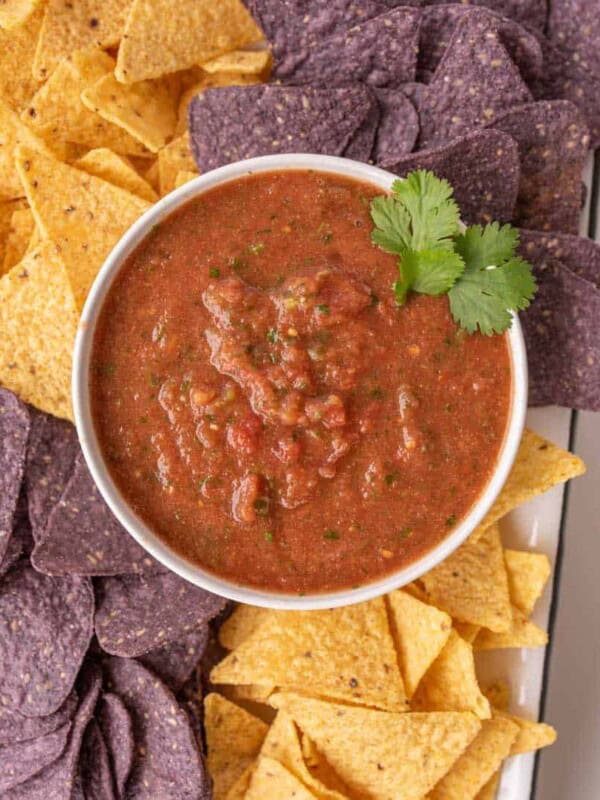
(141, 532)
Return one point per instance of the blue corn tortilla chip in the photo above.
(577, 253)
(361, 144)
(531, 13)
(45, 628)
(82, 537)
(553, 142)
(94, 766)
(235, 122)
(15, 423)
(574, 25)
(15, 727)
(59, 781)
(167, 761)
(562, 79)
(51, 453)
(135, 615)
(483, 168)
(175, 662)
(439, 23)
(475, 81)
(20, 542)
(381, 51)
(398, 127)
(23, 760)
(117, 729)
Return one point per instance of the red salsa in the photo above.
(268, 410)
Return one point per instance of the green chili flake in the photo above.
(144, 419)
(214, 272)
(448, 408)
(323, 308)
(331, 535)
(391, 478)
(451, 521)
(185, 385)
(374, 300)
(268, 536)
(107, 369)
(405, 533)
(153, 379)
(376, 393)
(272, 336)
(236, 264)
(261, 506)
(256, 249)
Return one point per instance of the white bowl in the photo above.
(140, 531)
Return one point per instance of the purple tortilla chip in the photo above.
(574, 25)
(175, 662)
(117, 730)
(475, 81)
(94, 766)
(58, 781)
(439, 23)
(167, 763)
(235, 122)
(83, 537)
(483, 168)
(15, 423)
(21, 761)
(45, 629)
(531, 13)
(553, 142)
(51, 453)
(138, 614)
(578, 253)
(563, 80)
(381, 51)
(398, 126)
(360, 147)
(14, 727)
(20, 542)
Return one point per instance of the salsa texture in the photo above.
(268, 410)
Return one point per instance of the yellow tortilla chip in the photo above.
(240, 787)
(17, 48)
(252, 693)
(498, 693)
(451, 684)
(183, 177)
(174, 158)
(205, 82)
(271, 779)
(480, 761)
(241, 62)
(84, 215)
(38, 323)
(321, 771)
(346, 653)
(382, 755)
(531, 735)
(21, 230)
(523, 633)
(189, 32)
(466, 630)
(146, 110)
(539, 466)
(472, 584)
(150, 174)
(241, 624)
(13, 13)
(233, 740)
(70, 26)
(12, 134)
(528, 574)
(490, 790)
(57, 112)
(420, 632)
(7, 209)
(105, 164)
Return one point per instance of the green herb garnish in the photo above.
(478, 268)
(214, 272)
(332, 535)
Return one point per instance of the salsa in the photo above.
(268, 410)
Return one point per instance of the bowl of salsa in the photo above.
(261, 415)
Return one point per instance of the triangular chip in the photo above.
(480, 761)
(241, 624)
(451, 684)
(146, 110)
(150, 174)
(472, 585)
(57, 112)
(490, 790)
(420, 632)
(183, 177)
(242, 62)
(240, 787)
(383, 755)
(250, 693)
(233, 740)
(528, 573)
(190, 32)
(498, 693)
(38, 323)
(13, 133)
(173, 158)
(7, 209)
(326, 780)
(523, 633)
(466, 630)
(70, 26)
(13, 13)
(272, 780)
(215, 81)
(17, 48)
(85, 216)
(22, 226)
(531, 735)
(283, 744)
(344, 653)
(115, 169)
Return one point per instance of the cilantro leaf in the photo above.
(434, 215)
(428, 272)
(392, 221)
(489, 246)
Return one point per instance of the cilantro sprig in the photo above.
(477, 267)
